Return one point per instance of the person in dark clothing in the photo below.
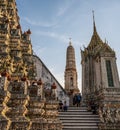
(60, 106)
(93, 107)
(75, 100)
(65, 106)
(79, 97)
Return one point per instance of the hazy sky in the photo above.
(53, 22)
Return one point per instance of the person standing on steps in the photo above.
(79, 97)
(60, 106)
(65, 107)
(75, 100)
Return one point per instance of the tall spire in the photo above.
(95, 39)
(70, 43)
(71, 85)
(94, 27)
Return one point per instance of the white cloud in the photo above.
(39, 23)
(64, 8)
(60, 37)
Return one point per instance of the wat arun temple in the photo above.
(30, 94)
(24, 104)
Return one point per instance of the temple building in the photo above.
(30, 94)
(100, 80)
(26, 102)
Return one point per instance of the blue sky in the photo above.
(53, 22)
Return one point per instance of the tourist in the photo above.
(60, 106)
(65, 107)
(93, 107)
(79, 97)
(75, 100)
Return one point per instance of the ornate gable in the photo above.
(96, 45)
(106, 50)
(95, 41)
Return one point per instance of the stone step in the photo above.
(75, 113)
(80, 127)
(80, 120)
(76, 108)
(79, 116)
(80, 124)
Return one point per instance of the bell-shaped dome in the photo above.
(70, 57)
(70, 53)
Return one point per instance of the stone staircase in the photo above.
(78, 118)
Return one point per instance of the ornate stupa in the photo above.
(71, 85)
(16, 48)
(16, 67)
(22, 98)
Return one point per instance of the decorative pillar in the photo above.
(53, 87)
(51, 111)
(17, 106)
(35, 107)
(4, 97)
(40, 88)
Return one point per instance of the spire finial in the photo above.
(93, 16)
(70, 41)
(94, 27)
